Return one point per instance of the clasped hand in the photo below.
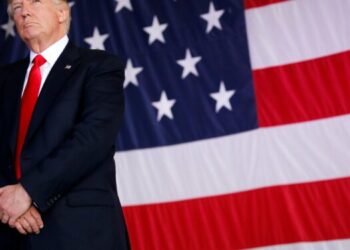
(16, 210)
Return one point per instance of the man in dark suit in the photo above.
(60, 110)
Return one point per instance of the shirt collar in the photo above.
(52, 53)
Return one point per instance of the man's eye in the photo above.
(17, 7)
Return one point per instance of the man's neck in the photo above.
(39, 46)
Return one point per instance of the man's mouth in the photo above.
(27, 25)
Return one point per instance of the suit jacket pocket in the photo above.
(90, 197)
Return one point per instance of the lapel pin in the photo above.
(68, 66)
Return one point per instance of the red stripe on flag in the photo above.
(303, 91)
(276, 215)
(248, 4)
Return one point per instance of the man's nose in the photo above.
(25, 9)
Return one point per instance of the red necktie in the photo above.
(29, 98)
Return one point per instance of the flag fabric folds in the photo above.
(237, 123)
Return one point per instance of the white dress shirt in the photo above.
(51, 55)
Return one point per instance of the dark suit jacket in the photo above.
(67, 159)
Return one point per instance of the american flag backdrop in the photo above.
(237, 126)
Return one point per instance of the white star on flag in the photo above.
(155, 31)
(164, 106)
(97, 40)
(212, 17)
(9, 28)
(123, 4)
(71, 4)
(222, 98)
(131, 73)
(189, 64)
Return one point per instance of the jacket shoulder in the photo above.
(101, 57)
(7, 70)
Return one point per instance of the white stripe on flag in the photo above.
(289, 154)
(297, 30)
(323, 245)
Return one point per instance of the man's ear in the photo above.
(62, 13)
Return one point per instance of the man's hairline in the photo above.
(10, 1)
(56, 1)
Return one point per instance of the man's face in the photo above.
(36, 19)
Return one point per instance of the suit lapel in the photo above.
(15, 92)
(57, 78)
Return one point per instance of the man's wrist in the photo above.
(25, 193)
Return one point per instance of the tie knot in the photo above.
(39, 60)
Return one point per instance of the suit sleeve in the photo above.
(91, 142)
(3, 160)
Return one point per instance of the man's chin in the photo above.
(29, 32)
(28, 37)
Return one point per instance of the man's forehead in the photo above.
(12, 2)
(19, 1)
(16, 1)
